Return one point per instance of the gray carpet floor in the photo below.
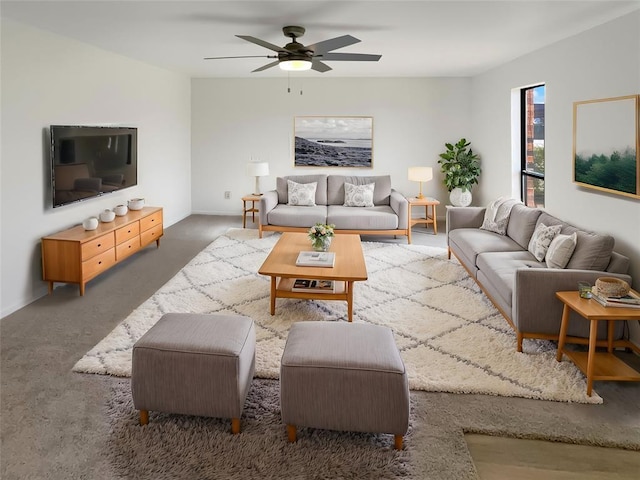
(55, 423)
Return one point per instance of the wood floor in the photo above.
(516, 459)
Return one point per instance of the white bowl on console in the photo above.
(107, 216)
(136, 203)
(120, 210)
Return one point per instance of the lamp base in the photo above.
(420, 196)
(257, 194)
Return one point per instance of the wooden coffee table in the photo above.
(349, 267)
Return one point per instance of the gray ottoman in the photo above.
(194, 365)
(343, 376)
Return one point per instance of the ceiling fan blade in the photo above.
(242, 56)
(262, 43)
(268, 65)
(318, 66)
(332, 44)
(355, 57)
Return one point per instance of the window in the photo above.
(532, 101)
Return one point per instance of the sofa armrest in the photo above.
(464, 217)
(268, 202)
(534, 292)
(400, 205)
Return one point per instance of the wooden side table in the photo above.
(597, 365)
(245, 208)
(427, 220)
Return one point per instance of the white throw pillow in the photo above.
(301, 194)
(496, 215)
(358, 195)
(541, 239)
(560, 250)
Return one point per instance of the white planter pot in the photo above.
(460, 198)
(90, 223)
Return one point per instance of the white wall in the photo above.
(600, 63)
(235, 120)
(48, 79)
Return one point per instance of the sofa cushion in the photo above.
(496, 216)
(593, 251)
(473, 241)
(335, 188)
(541, 239)
(294, 216)
(522, 223)
(301, 194)
(358, 195)
(321, 189)
(368, 218)
(499, 268)
(560, 250)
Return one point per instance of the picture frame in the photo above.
(606, 145)
(336, 141)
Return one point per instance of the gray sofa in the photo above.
(523, 288)
(387, 216)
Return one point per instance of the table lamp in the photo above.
(257, 169)
(420, 174)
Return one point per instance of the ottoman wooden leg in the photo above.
(144, 417)
(291, 433)
(397, 442)
(235, 425)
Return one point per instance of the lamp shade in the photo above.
(420, 174)
(257, 169)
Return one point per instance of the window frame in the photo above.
(526, 174)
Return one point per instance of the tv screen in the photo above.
(87, 162)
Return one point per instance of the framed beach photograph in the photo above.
(333, 142)
(606, 145)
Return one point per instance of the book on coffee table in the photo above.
(316, 259)
(308, 285)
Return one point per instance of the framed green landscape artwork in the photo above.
(333, 142)
(606, 145)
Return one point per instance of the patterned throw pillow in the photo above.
(301, 194)
(541, 239)
(560, 250)
(496, 216)
(358, 195)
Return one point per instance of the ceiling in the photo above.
(415, 38)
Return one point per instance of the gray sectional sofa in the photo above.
(387, 216)
(523, 288)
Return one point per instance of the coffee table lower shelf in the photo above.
(281, 288)
(606, 366)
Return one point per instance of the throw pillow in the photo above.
(541, 239)
(358, 195)
(496, 215)
(301, 194)
(560, 250)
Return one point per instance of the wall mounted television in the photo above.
(90, 161)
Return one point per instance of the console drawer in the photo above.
(94, 247)
(151, 221)
(99, 263)
(151, 235)
(127, 248)
(127, 232)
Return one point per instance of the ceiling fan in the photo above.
(295, 56)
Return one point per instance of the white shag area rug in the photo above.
(450, 336)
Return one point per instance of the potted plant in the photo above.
(461, 169)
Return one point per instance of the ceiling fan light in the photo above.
(295, 65)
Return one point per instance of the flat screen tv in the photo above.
(88, 162)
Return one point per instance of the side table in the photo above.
(597, 365)
(245, 208)
(425, 202)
